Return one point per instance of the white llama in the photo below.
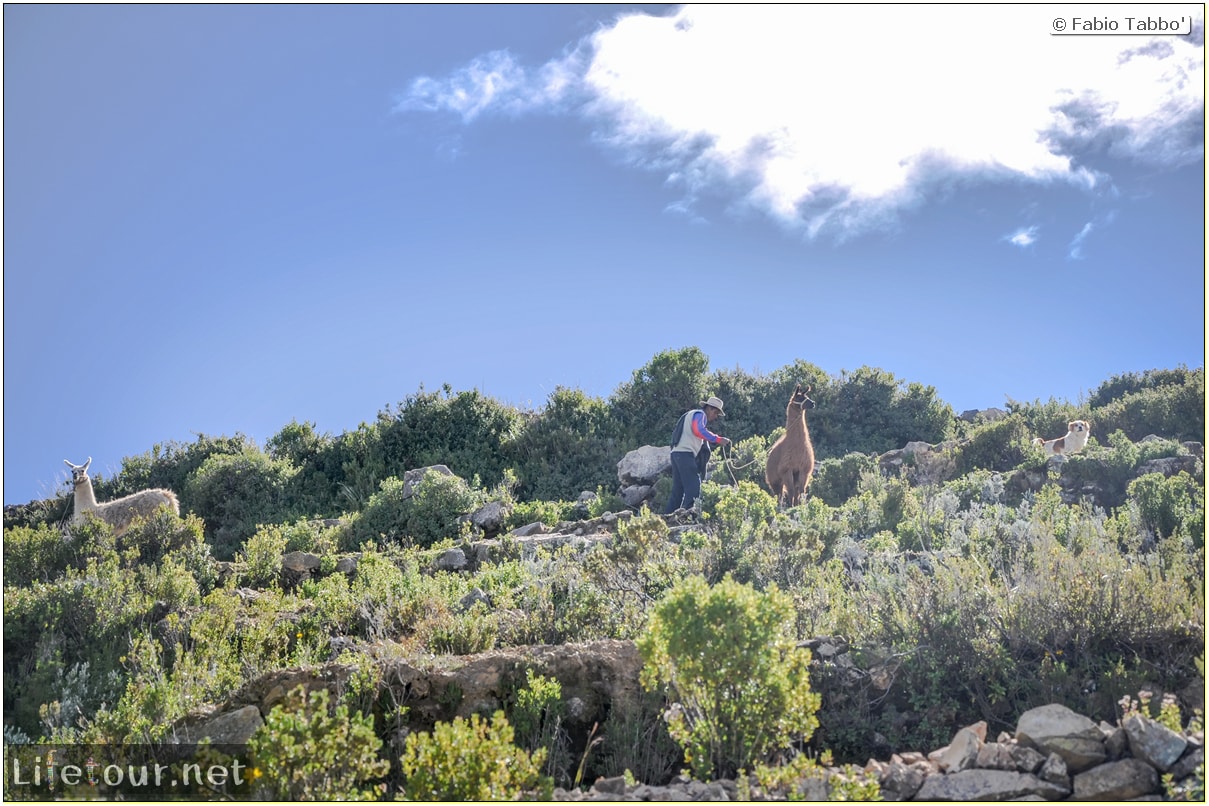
(121, 512)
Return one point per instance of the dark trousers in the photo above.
(686, 484)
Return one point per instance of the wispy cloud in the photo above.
(1075, 251)
(1025, 236)
(835, 119)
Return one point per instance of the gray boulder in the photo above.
(1057, 729)
(233, 727)
(988, 785)
(1156, 744)
(1117, 780)
(490, 517)
(412, 478)
(635, 495)
(644, 465)
(297, 567)
(451, 560)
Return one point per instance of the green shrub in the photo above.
(430, 513)
(236, 493)
(261, 557)
(740, 516)
(568, 447)
(313, 488)
(537, 720)
(49, 512)
(466, 431)
(472, 760)
(549, 513)
(1170, 505)
(307, 750)
(1109, 471)
(605, 501)
(1169, 403)
(647, 406)
(1046, 420)
(837, 480)
(37, 554)
(1001, 446)
(170, 464)
(739, 684)
(871, 411)
(63, 642)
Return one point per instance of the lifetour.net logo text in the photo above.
(69, 771)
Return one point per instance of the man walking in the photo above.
(690, 443)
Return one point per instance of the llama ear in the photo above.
(797, 388)
(69, 464)
(808, 389)
(86, 464)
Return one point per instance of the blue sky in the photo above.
(223, 218)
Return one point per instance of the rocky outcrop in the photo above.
(1057, 729)
(968, 769)
(297, 567)
(593, 676)
(230, 728)
(644, 465)
(639, 470)
(1055, 754)
(412, 478)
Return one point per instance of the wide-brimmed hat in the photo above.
(716, 403)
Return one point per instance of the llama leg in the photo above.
(774, 486)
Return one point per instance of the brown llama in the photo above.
(791, 459)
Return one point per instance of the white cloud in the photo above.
(1075, 251)
(491, 82)
(835, 118)
(1025, 236)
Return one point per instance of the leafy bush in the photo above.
(537, 719)
(261, 557)
(170, 465)
(871, 411)
(1046, 420)
(1160, 402)
(429, 513)
(741, 515)
(307, 750)
(549, 513)
(467, 432)
(740, 687)
(568, 447)
(38, 554)
(236, 493)
(1109, 471)
(646, 407)
(1001, 446)
(1170, 505)
(472, 760)
(63, 643)
(837, 480)
(314, 488)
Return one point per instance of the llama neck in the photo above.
(85, 497)
(795, 428)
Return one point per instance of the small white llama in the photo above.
(121, 512)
